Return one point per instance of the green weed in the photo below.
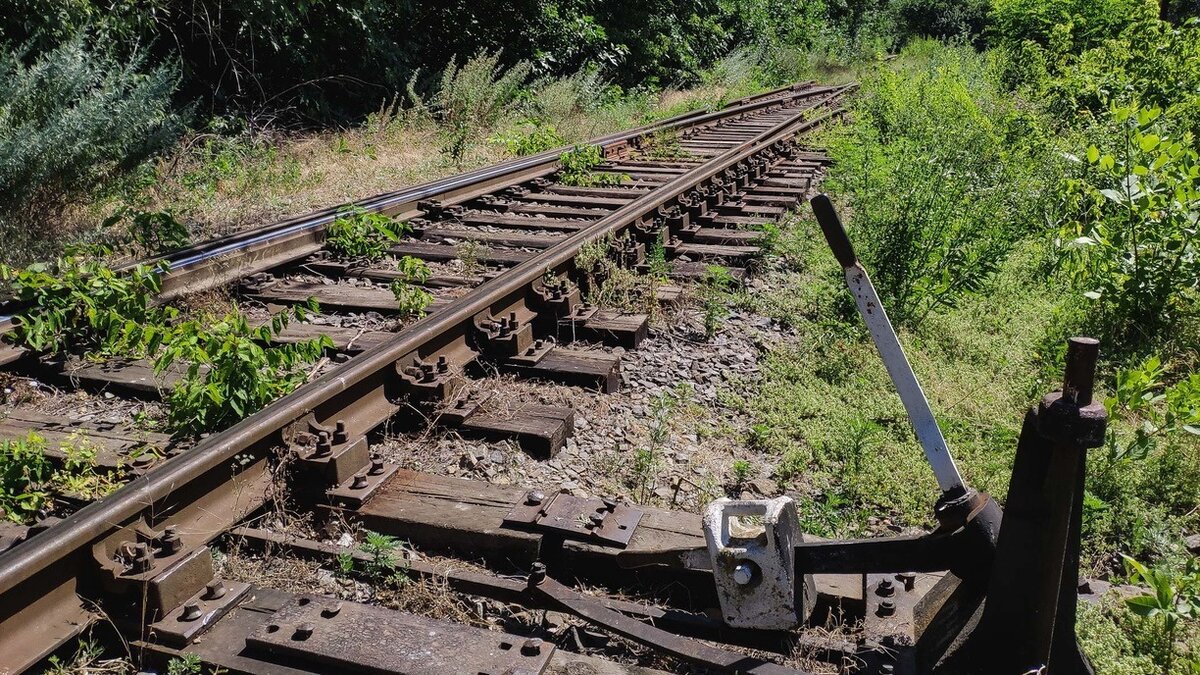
(233, 369)
(357, 233)
(715, 288)
(578, 168)
(411, 298)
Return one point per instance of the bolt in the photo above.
(171, 543)
(887, 608)
(743, 574)
(376, 466)
(214, 590)
(143, 560)
(596, 519)
(303, 631)
(442, 364)
(532, 647)
(535, 497)
(191, 612)
(332, 610)
(537, 574)
(359, 482)
(339, 434)
(908, 579)
(1080, 377)
(324, 448)
(885, 588)
(610, 504)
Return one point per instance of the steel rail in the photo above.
(91, 522)
(185, 261)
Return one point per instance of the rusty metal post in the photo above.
(1028, 620)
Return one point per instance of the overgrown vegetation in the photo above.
(29, 478)
(579, 164)
(364, 235)
(411, 298)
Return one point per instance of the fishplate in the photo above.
(596, 520)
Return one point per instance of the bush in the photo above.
(69, 120)
(1065, 26)
(943, 173)
(233, 369)
(473, 98)
(1128, 233)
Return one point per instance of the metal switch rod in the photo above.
(888, 345)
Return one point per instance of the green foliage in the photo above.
(942, 175)
(715, 288)
(647, 461)
(71, 118)
(474, 98)
(151, 232)
(29, 479)
(530, 138)
(1173, 600)
(232, 368)
(358, 233)
(1129, 224)
(80, 304)
(1065, 26)
(24, 473)
(187, 663)
(578, 166)
(386, 562)
(411, 298)
(743, 471)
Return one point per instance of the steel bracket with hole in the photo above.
(596, 520)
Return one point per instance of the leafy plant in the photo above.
(743, 471)
(1156, 411)
(473, 98)
(715, 287)
(233, 369)
(469, 253)
(79, 303)
(1174, 599)
(1130, 224)
(187, 663)
(151, 231)
(647, 460)
(25, 472)
(578, 166)
(358, 233)
(411, 298)
(530, 138)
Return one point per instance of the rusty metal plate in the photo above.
(183, 624)
(595, 520)
(362, 638)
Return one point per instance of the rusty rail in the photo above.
(222, 478)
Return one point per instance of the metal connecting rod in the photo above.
(888, 345)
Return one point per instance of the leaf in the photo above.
(1148, 142)
(1092, 295)
(1093, 154)
(1114, 195)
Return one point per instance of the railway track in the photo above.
(502, 245)
(529, 272)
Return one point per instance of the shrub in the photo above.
(411, 298)
(1065, 26)
(942, 175)
(70, 119)
(80, 304)
(233, 369)
(358, 233)
(1128, 233)
(530, 138)
(578, 164)
(474, 98)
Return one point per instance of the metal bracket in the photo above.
(754, 566)
(596, 520)
(504, 336)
